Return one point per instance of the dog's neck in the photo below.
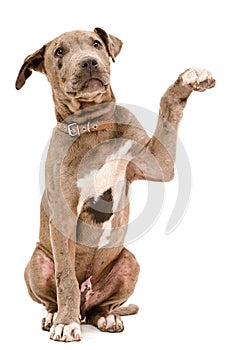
(65, 107)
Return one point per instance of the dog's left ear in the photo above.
(32, 62)
(113, 44)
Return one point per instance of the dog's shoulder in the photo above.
(129, 126)
(124, 116)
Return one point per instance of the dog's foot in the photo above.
(66, 333)
(47, 321)
(111, 323)
(198, 79)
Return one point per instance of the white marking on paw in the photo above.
(67, 333)
(110, 321)
(48, 321)
(101, 323)
(189, 76)
(56, 332)
(195, 76)
(72, 332)
(119, 323)
(48, 318)
(202, 75)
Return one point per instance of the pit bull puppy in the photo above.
(80, 268)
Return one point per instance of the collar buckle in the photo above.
(72, 132)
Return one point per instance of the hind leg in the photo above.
(108, 294)
(40, 281)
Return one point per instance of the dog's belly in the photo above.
(103, 207)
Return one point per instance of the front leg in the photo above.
(60, 205)
(163, 144)
(66, 326)
(155, 160)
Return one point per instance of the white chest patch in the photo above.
(111, 174)
(105, 237)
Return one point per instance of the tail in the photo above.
(131, 309)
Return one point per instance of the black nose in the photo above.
(88, 63)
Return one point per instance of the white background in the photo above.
(185, 290)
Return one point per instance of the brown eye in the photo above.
(97, 44)
(59, 52)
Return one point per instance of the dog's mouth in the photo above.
(90, 86)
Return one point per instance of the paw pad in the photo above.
(198, 79)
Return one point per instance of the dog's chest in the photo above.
(104, 169)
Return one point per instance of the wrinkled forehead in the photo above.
(76, 38)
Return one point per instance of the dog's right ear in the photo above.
(32, 62)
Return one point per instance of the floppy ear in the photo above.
(32, 62)
(112, 43)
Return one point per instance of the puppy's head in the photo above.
(77, 64)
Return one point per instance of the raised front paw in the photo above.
(69, 332)
(198, 79)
